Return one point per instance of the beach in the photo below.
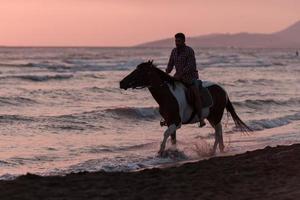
(62, 110)
(269, 173)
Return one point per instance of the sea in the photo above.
(62, 111)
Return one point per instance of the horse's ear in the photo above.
(150, 62)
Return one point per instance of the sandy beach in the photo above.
(270, 173)
(86, 85)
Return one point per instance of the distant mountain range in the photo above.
(286, 38)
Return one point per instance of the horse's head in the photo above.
(139, 78)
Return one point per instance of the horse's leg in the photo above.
(219, 134)
(220, 137)
(173, 138)
(213, 151)
(216, 113)
(171, 129)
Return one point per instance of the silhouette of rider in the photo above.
(183, 58)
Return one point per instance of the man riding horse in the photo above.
(170, 95)
(183, 58)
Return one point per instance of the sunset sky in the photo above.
(130, 22)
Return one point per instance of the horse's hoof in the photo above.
(160, 153)
(173, 142)
(212, 153)
(222, 149)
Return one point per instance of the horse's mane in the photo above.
(164, 76)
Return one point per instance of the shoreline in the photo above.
(269, 173)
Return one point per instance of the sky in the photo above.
(131, 22)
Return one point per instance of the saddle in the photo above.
(207, 101)
(206, 97)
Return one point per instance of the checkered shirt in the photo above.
(185, 64)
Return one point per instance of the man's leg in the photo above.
(197, 103)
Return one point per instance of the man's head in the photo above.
(179, 40)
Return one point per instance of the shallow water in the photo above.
(62, 110)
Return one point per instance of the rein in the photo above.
(161, 85)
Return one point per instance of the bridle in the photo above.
(158, 86)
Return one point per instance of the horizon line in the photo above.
(140, 43)
(61, 46)
(144, 47)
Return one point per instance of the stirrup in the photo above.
(162, 123)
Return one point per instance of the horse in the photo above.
(174, 107)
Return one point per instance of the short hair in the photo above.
(180, 35)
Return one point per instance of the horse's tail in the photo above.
(238, 122)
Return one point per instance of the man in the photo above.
(183, 58)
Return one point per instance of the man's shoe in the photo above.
(202, 123)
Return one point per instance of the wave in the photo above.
(114, 149)
(84, 120)
(256, 81)
(134, 112)
(90, 120)
(15, 65)
(51, 66)
(16, 101)
(264, 103)
(103, 90)
(40, 78)
(96, 76)
(74, 65)
(3, 163)
(237, 61)
(8, 177)
(128, 163)
(273, 123)
(15, 118)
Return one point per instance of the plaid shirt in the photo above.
(185, 64)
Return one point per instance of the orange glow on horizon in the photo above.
(130, 22)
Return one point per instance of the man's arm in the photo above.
(171, 63)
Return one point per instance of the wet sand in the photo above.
(270, 173)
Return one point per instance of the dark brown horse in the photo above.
(170, 94)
